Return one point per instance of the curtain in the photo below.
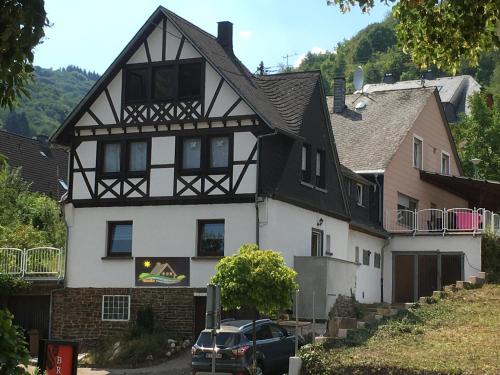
(138, 156)
(112, 157)
(191, 152)
(219, 152)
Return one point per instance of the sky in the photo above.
(91, 33)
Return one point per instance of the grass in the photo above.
(458, 335)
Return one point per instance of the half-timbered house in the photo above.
(179, 155)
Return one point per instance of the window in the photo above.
(189, 80)
(320, 168)
(445, 163)
(417, 152)
(306, 163)
(277, 332)
(163, 82)
(119, 238)
(191, 153)
(210, 237)
(133, 155)
(376, 260)
(116, 307)
(359, 194)
(263, 333)
(406, 207)
(366, 257)
(136, 85)
(208, 153)
(356, 254)
(219, 152)
(317, 243)
(112, 158)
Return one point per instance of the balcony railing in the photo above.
(433, 220)
(38, 263)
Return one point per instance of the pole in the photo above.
(214, 346)
(314, 319)
(296, 323)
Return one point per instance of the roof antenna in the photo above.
(261, 68)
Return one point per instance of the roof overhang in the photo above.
(479, 193)
(370, 171)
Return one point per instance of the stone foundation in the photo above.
(76, 312)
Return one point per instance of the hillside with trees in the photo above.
(375, 48)
(54, 93)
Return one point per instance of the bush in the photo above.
(315, 360)
(490, 257)
(13, 350)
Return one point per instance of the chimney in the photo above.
(338, 94)
(225, 36)
(43, 139)
(389, 78)
(428, 75)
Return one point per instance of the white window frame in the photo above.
(115, 320)
(359, 194)
(421, 153)
(444, 153)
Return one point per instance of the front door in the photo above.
(316, 243)
(404, 278)
(427, 275)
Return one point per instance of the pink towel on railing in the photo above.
(465, 220)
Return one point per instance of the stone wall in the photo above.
(76, 312)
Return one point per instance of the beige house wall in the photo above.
(400, 175)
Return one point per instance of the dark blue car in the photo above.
(234, 349)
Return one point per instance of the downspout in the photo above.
(386, 242)
(257, 174)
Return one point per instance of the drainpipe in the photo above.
(379, 199)
(257, 174)
(386, 243)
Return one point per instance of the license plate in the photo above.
(209, 355)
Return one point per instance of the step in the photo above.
(481, 275)
(378, 317)
(348, 323)
(361, 325)
(463, 285)
(437, 294)
(474, 280)
(342, 333)
(423, 300)
(450, 289)
(408, 305)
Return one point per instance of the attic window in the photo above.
(136, 84)
(306, 163)
(189, 81)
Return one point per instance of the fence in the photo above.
(453, 220)
(35, 263)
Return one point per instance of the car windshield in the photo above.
(224, 339)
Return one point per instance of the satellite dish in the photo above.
(358, 78)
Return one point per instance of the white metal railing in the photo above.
(39, 262)
(453, 220)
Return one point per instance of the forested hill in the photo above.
(375, 49)
(54, 93)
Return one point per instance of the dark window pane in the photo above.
(366, 257)
(191, 153)
(164, 83)
(136, 85)
(189, 80)
(211, 239)
(264, 333)
(219, 152)
(306, 163)
(120, 238)
(138, 152)
(223, 339)
(112, 152)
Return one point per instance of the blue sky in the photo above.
(92, 33)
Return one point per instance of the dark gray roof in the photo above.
(41, 166)
(367, 139)
(249, 87)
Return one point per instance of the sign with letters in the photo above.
(161, 271)
(59, 357)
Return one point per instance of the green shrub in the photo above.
(490, 257)
(315, 360)
(13, 350)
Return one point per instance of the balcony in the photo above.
(41, 263)
(442, 221)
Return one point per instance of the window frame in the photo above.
(360, 194)
(321, 178)
(368, 254)
(444, 153)
(113, 296)
(199, 231)
(150, 67)
(421, 140)
(306, 174)
(109, 226)
(124, 159)
(377, 260)
(205, 168)
(320, 234)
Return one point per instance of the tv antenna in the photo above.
(287, 56)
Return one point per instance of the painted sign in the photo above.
(161, 271)
(59, 357)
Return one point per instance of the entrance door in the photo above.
(404, 276)
(427, 275)
(31, 312)
(451, 269)
(317, 243)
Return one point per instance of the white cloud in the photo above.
(302, 56)
(245, 34)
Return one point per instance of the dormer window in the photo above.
(174, 81)
(306, 163)
(359, 194)
(320, 168)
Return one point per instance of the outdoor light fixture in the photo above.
(320, 222)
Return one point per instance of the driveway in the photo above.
(180, 365)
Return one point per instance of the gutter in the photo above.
(257, 174)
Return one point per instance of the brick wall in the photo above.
(76, 312)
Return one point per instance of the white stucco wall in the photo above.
(367, 276)
(469, 245)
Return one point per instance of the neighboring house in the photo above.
(179, 155)
(44, 167)
(395, 139)
(453, 91)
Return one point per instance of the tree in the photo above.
(478, 136)
(13, 350)
(443, 32)
(17, 123)
(21, 29)
(255, 279)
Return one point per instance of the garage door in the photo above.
(31, 312)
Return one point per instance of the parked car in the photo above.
(234, 342)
